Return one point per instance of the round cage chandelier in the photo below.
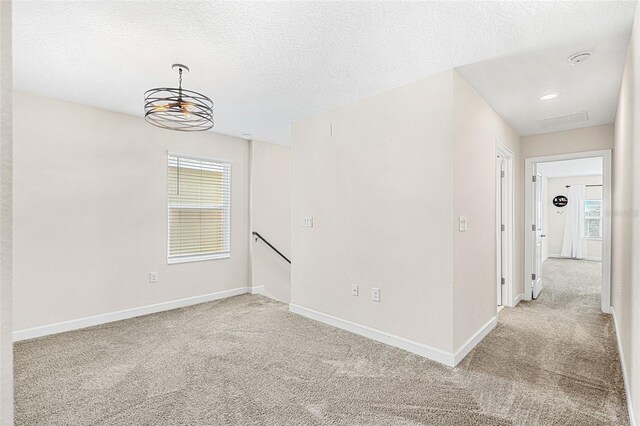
(177, 108)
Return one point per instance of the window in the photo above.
(199, 208)
(593, 218)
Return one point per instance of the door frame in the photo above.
(507, 293)
(529, 213)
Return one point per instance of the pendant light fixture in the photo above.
(178, 108)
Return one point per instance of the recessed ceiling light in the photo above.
(549, 96)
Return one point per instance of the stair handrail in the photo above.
(257, 235)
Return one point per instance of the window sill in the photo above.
(594, 238)
(188, 259)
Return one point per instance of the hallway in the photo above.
(557, 353)
(247, 359)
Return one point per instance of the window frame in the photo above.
(587, 218)
(199, 257)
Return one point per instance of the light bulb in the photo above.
(160, 108)
(184, 109)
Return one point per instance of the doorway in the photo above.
(567, 198)
(504, 226)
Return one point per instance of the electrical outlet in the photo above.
(307, 222)
(375, 294)
(153, 277)
(354, 289)
(462, 223)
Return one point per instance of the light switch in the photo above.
(307, 222)
(462, 224)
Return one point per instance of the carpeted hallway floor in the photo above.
(246, 360)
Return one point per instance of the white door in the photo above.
(536, 277)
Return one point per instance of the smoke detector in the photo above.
(580, 57)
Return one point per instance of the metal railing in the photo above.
(258, 236)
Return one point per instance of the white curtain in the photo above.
(575, 243)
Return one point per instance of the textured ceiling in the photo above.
(268, 64)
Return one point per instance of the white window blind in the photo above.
(199, 208)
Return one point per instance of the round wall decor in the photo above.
(560, 201)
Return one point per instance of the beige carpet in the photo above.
(246, 360)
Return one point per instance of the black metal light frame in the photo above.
(177, 108)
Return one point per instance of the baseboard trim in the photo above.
(426, 351)
(61, 327)
(474, 340)
(261, 290)
(559, 256)
(625, 377)
(257, 290)
(517, 300)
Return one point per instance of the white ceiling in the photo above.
(570, 168)
(268, 64)
(513, 84)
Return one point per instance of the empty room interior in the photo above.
(319, 213)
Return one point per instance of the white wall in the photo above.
(376, 175)
(90, 213)
(271, 217)
(625, 224)
(578, 140)
(477, 129)
(386, 179)
(555, 217)
(6, 250)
